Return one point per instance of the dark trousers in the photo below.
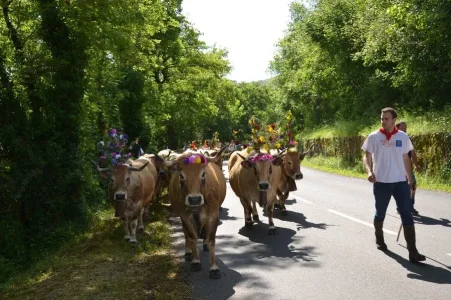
(401, 192)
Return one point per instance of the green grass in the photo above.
(337, 166)
(101, 265)
(418, 123)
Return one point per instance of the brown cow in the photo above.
(196, 191)
(254, 178)
(163, 177)
(291, 171)
(132, 188)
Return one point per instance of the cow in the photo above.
(291, 171)
(164, 175)
(196, 191)
(254, 178)
(131, 189)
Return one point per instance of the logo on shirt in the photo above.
(386, 143)
(398, 143)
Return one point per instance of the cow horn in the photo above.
(218, 155)
(280, 154)
(99, 169)
(170, 163)
(169, 154)
(131, 168)
(244, 158)
(308, 151)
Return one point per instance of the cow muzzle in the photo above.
(119, 196)
(263, 186)
(161, 173)
(194, 200)
(298, 176)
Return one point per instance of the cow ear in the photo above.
(301, 156)
(246, 164)
(277, 161)
(105, 174)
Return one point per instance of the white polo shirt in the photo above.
(388, 163)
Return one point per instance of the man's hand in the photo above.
(371, 177)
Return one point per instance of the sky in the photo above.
(248, 29)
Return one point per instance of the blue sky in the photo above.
(248, 29)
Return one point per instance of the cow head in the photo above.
(292, 163)
(190, 174)
(120, 179)
(262, 164)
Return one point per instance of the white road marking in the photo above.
(302, 199)
(359, 221)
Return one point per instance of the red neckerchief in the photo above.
(389, 134)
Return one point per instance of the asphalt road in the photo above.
(325, 247)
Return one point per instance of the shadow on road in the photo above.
(423, 271)
(206, 288)
(431, 221)
(275, 245)
(300, 219)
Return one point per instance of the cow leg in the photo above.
(191, 253)
(247, 212)
(126, 229)
(283, 197)
(272, 229)
(140, 221)
(133, 226)
(211, 243)
(254, 212)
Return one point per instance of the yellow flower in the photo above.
(253, 130)
(278, 145)
(262, 139)
(270, 129)
(266, 147)
(198, 160)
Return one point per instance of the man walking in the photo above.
(387, 163)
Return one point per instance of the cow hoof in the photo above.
(196, 267)
(276, 206)
(140, 230)
(272, 231)
(188, 256)
(220, 209)
(127, 237)
(283, 213)
(248, 224)
(255, 218)
(205, 247)
(134, 243)
(215, 274)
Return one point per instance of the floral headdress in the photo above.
(115, 152)
(261, 157)
(195, 159)
(287, 136)
(264, 136)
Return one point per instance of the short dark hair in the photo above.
(400, 123)
(393, 113)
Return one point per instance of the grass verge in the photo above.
(101, 265)
(338, 166)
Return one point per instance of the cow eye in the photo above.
(270, 169)
(127, 180)
(289, 163)
(203, 175)
(112, 179)
(182, 178)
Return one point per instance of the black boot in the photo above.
(379, 235)
(409, 234)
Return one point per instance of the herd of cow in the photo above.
(197, 188)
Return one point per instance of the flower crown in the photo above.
(115, 151)
(264, 136)
(261, 157)
(287, 137)
(195, 159)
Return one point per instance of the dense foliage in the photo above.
(346, 59)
